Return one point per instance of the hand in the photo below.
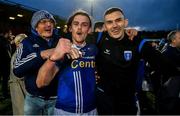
(46, 53)
(131, 33)
(74, 54)
(63, 47)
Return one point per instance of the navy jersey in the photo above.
(76, 87)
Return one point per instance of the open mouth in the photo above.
(79, 33)
(115, 31)
(48, 30)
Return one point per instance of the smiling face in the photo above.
(115, 24)
(45, 28)
(80, 27)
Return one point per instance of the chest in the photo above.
(118, 53)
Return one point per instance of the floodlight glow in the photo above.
(19, 15)
(11, 18)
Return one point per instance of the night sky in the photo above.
(142, 14)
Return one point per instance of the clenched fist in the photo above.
(63, 47)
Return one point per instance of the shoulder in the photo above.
(90, 45)
(170, 50)
(91, 48)
(26, 41)
(95, 37)
(90, 39)
(138, 39)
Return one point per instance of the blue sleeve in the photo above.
(28, 59)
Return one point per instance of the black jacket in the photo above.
(117, 64)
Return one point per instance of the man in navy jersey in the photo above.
(76, 88)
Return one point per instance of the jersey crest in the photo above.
(127, 55)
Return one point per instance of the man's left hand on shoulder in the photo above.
(131, 33)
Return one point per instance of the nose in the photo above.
(79, 26)
(114, 24)
(48, 23)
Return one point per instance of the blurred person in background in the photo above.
(169, 99)
(5, 57)
(173, 50)
(99, 26)
(17, 87)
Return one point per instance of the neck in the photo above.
(80, 44)
(172, 45)
(121, 37)
(45, 38)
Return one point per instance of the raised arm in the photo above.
(49, 69)
(46, 73)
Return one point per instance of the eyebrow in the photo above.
(121, 17)
(79, 22)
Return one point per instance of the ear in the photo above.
(126, 22)
(70, 29)
(90, 30)
(173, 40)
(104, 28)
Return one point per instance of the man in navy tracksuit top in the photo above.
(31, 55)
(76, 88)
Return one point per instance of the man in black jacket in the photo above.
(117, 64)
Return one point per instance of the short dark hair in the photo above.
(172, 35)
(98, 24)
(113, 9)
(78, 12)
